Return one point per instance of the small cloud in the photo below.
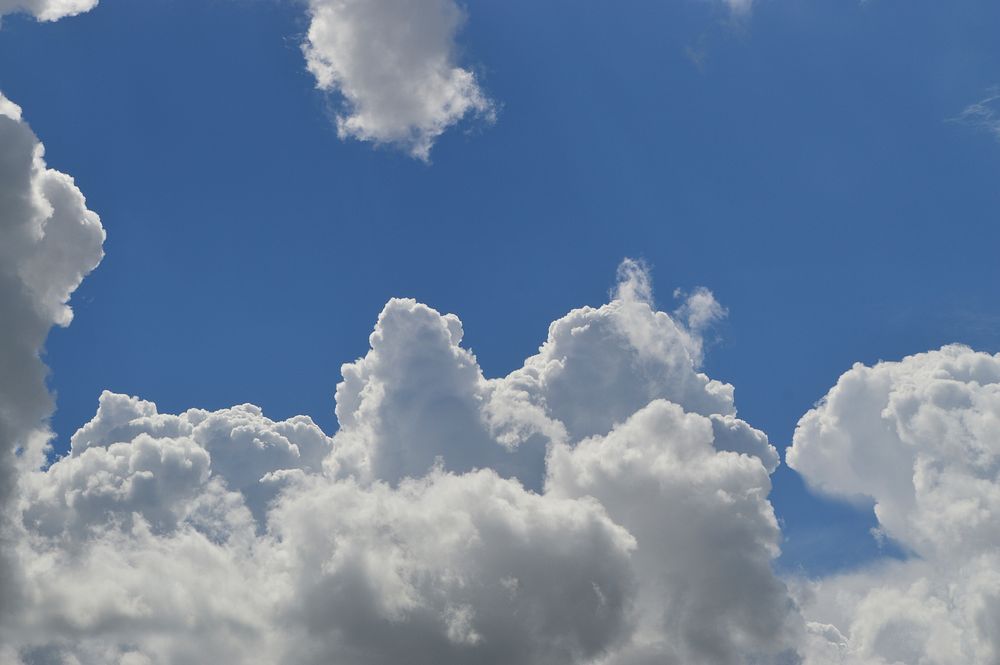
(984, 114)
(697, 54)
(46, 10)
(394, 66)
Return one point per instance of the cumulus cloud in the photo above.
(418, 396)
(921, 439)
(47, 10)
(131, 462)
(394, 63)
(49, 241)
(603, 503)
(705, 532)
(449, 568)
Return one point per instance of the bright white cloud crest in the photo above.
(394, 63)
(921, 438)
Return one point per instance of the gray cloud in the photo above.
(49, 241)
(705, 532)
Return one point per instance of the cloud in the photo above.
(448, 568)
(984, 114)
(131, 462)
(418, 395)
(47, 10)
(394, 64)
(920, 438)
(739, 7)
(601, 504)
(49, 241)
(705, 532)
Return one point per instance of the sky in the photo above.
(270, 173)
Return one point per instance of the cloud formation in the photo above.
(394, 63)
(47, 10)
(983, 115)
(921, 439)
(49, 241)
(566, 513)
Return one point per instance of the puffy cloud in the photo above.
(47, 10)
(452, 569)
(601, 365)
(49, 241)
(644, 533)
(414, 398)
(394, 64)
(459, 568)
(134, 596)
(131, 461)
(705, 532)
(920, 438)
(418, 396)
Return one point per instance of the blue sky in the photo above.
(800, 161)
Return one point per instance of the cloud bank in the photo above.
(394, 63)
(920, 438)
(603, 503)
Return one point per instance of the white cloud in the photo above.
(601, 365)
(984, 114)
(47, 10)
(921, 438)
(130, 461)
(49, 241)
(409, 535)
(418, 395)
(394, 63)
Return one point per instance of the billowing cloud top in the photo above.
(920, 438)
(394, 64)
(49, 241)
(602, 503)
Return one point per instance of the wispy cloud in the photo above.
(984, 114)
